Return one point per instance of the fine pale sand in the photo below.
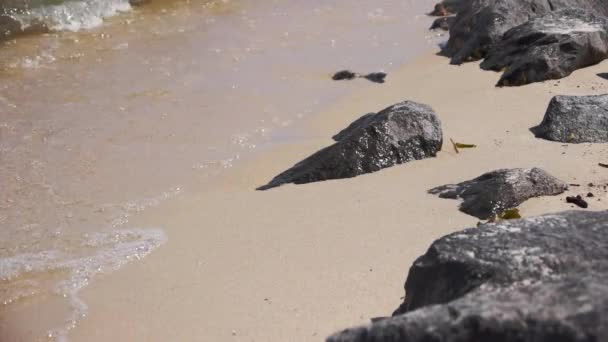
(297, 263)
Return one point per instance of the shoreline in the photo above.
(302, 261)
(122, 121)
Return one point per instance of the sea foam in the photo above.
(101, 253)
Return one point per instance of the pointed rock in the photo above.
(398, 134)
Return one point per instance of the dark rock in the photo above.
(494, 192)
(344, 75)
(537, 279)
(480, 24)
(8, 27)
(551, 46)
(442, 23)
(590, 194)
(575, 119)
(398, 134)
(578, 200)
(449, 7)
(361, 122)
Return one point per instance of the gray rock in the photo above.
(398, 134)
(494, 192)
(575, 119)
(480, 24)
(537, 279)
(551, 46)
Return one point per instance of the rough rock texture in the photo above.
(575, 119)
(537, 279)
(551, 46)
(480, 24)
(493, 192)
(398, 134)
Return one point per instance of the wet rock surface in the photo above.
(398, 134)
(481, 24)
(494, 192)
(551, 46)
(538, 279)
(575, 119)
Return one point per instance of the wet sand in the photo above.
(299, 262)
(99, 126)
(294, 263)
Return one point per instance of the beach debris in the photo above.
(578, 200)
(376, 77)
(602, 165)
(510, 214)
(575, 119)
(494, 192)
(457, 146)
(399, 134)
(344, 75)
(535, 279)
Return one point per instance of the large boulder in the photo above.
(551, 46)
(494, 192)
(575, 119)
(398, 134)
(480, 24)
(537, 279)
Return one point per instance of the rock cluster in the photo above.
(537, 279)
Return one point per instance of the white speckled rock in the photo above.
(575, 119)
(398, 134)
(537, 279)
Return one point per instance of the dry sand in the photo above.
(299, 262)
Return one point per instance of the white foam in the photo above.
(73, 15)
(104, 252)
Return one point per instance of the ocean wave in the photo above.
(30, 16)
(102, 252)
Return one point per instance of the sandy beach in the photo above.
(299, 262)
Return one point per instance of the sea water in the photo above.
(118, 109)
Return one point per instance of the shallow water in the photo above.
(100, 120)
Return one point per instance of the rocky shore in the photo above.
(533, 279)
